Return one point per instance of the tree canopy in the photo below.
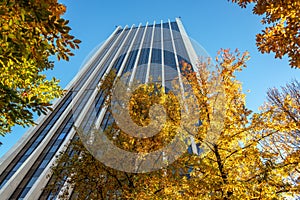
(255, 155)
(30, 32)
(282, 34)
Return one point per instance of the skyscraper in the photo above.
(147, 51)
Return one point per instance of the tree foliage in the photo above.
(255, 156)
(30, 32)
(282, 35)
(281, 121)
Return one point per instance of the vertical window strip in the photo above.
(176, 59)
(141, 71)
(129, 49)
(156, 59)
(150, 53)
(162, 56)
(139, 53)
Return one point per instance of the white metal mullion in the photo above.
(162, 55)
(193, 59)
(194, 148)
(65, 186)
(188, 45)
(176, 58)
(150, 55)
(138, 55)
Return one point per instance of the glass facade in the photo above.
(150, 52)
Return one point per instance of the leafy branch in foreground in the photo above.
(30, 32)
(282, 34)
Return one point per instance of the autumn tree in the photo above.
(281, 115)
(281, 36)
(30, 32)
(111, 183)
(240, 164)
(237, 157)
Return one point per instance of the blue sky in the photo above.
(214, 24)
